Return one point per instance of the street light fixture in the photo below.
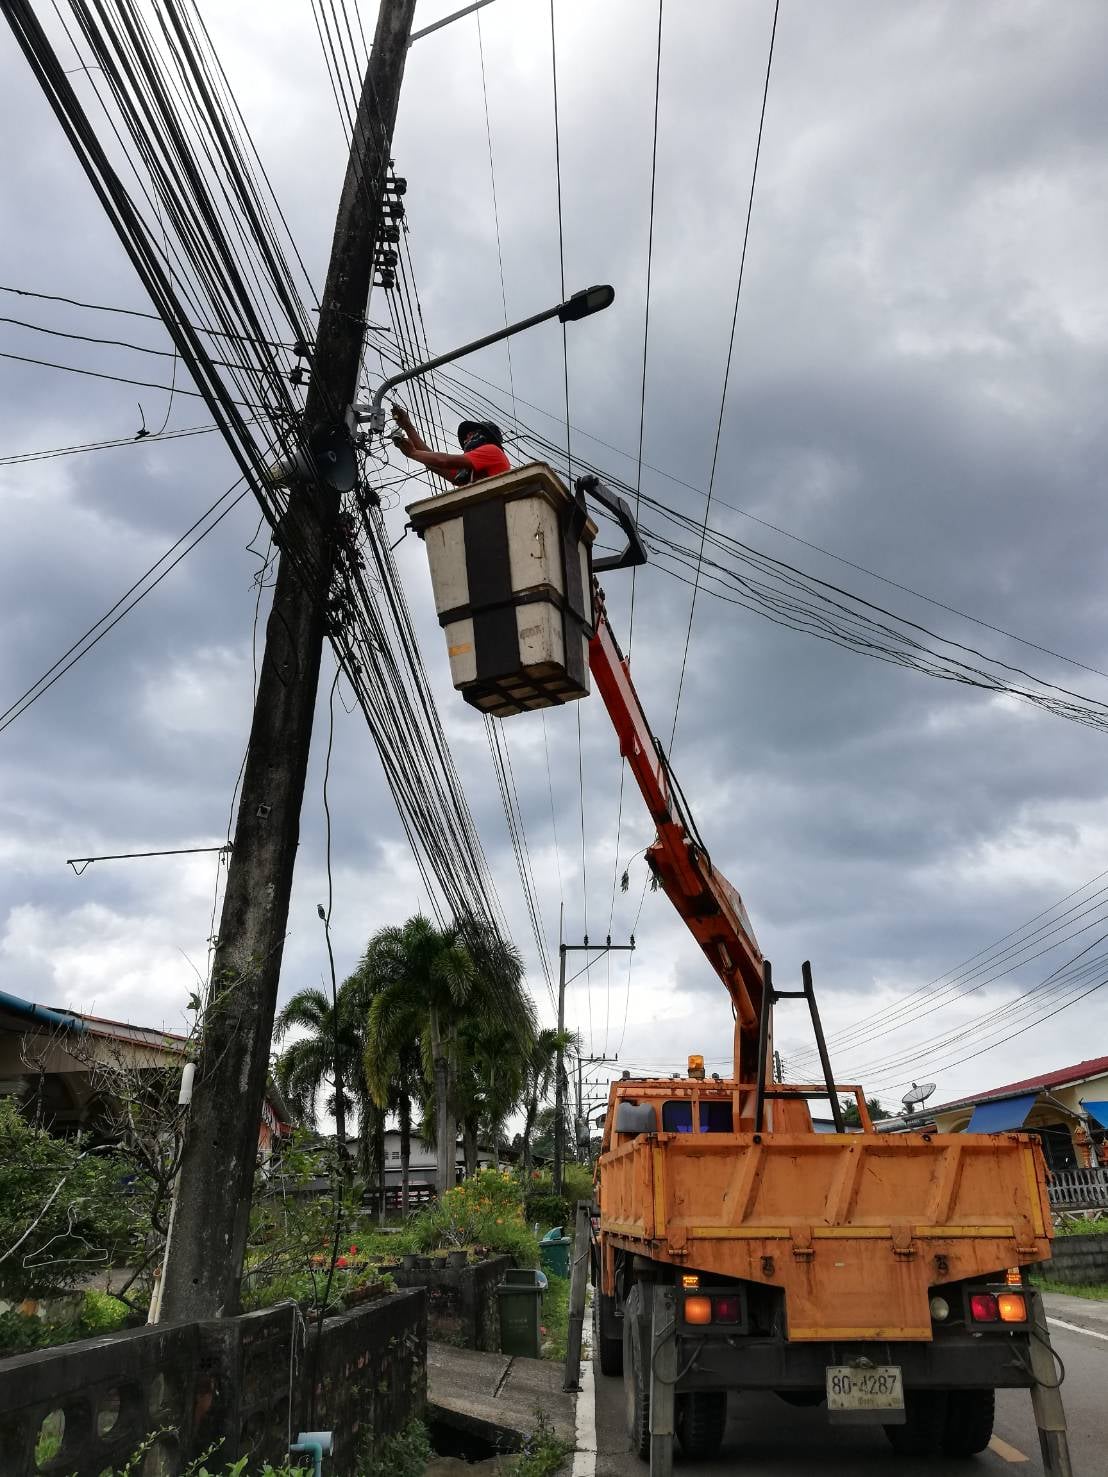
(581, 305)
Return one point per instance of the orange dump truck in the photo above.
(735, 1247)
(868, 1270)
(876, 1272)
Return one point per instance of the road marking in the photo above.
(1076, 1328)
(1005, 1452)
(584, 1458)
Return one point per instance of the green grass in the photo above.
(1099, 1226)
(543, 1454)
(555, 1318)
(1094, 1291)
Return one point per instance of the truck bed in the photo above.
(857, 1228)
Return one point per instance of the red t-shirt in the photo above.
(486, 461)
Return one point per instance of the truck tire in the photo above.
(701, 1418)
(969, 1421)
(924, 1430)
(609, 1336)
(636, 1378)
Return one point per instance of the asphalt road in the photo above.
(767, 1438)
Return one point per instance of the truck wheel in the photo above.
(609, 1336)
(636, 1378)
(924, 1430)
(701, 1417)
(969, 1421)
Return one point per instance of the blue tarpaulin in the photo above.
(1099, 1111)
(995, 1117)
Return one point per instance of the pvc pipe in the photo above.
(314, 1444)
(40, 1013)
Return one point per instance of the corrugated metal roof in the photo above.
(1096, 1066)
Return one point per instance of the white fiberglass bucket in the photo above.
(510, 571)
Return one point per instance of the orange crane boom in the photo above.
(710, 907)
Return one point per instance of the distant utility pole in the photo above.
(582, 1115)
(205, 1253)
(559, 1084)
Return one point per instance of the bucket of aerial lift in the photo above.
(510, 561)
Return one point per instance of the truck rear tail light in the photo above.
(698, 1310)
(727, 1309)
(983, 1308)
(1012, 1307)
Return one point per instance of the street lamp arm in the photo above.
(580, 305)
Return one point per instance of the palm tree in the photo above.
(426, 982)
(305, 1065)
(488, 1083)
(392, 1069)
(538, 1079)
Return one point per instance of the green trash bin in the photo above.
(520, 1300)
(554, 1253)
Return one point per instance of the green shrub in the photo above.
(485, 1212)
(404, 1455)
(555, 1318)
(543, 1453)
(101, 1313)
(542, 1205)
(57, 1201)
(544, 1208)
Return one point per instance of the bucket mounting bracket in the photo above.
(635, 552)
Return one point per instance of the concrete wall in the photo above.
(461, 1301)
(240, 1380)
(1078, 1259)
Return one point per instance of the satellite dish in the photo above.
(919, 1093)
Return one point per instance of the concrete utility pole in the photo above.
(204, 1263)
(606, 947)
(584, 1105)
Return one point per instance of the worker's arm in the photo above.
(407, 425)
(443, 462)
(447, 464)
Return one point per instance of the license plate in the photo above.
(880, 1388)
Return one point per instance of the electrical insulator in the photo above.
(390, 233)
(398, 185)
(387, 258)
(385, 278)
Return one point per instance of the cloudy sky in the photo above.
(916, 386)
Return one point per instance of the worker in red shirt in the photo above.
(482, 453)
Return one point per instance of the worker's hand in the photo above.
(403, 444)
(402, 418)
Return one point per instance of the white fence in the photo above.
(1079, 1189)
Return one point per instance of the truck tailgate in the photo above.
(855, 1227)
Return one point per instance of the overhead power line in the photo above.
(120, 379)
(52, 297)
(17, 458)
(555, 416)
(791, 597)
(148, 581)
(987, 966)
(199, 226)
(726, 373)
